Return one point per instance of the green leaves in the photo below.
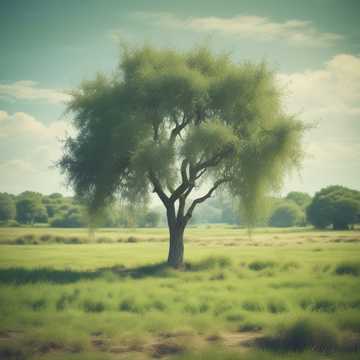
(334, 205)
(210, 140)
(155, 157)
(162, 107)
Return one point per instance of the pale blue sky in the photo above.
(50, 46)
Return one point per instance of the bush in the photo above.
(286, 215)
(334, 205)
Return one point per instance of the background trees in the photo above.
(169, 122)
(299, 198)
(30, 209)
(286, 214)
(7, 207)
(334, 205)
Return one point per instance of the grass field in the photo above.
(281, 295)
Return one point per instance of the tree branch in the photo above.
(179, 127)
(204, 197)
(184, 182)
(158, 189)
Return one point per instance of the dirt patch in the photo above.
(122, 349)
(244, 339)
(167, 348)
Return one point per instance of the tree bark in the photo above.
(176, 246)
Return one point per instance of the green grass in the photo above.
(102, 300)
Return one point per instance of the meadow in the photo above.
(283, 294)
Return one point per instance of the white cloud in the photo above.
(21, 124)
(330, 97)
(258, 28)
(332, 92)
(28, 151)
(29, 90)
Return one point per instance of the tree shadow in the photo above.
(20, 275)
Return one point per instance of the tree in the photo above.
(285, 215)
(72, 218)
(7, 207)
(300, 198)
(29, 207)
(334, 205)
(169, 122)
(152, 218)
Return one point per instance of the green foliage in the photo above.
(334, 205)
(166, 116)
(152, 219)
(300, 198)
(72, 218)
(286, 215)
(7, 207)
(30, 208)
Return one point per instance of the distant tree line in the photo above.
(334, 207)
(56, 210)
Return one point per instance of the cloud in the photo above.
(21, 124)
(29, 90)
(329, 97)
(28, 151)
(258, 28)
(329, 93)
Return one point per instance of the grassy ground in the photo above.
(282, 295)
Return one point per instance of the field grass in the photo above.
(281, 295)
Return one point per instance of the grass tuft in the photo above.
(305, 334)
(93, 306)
(259, 265)
(348, 268)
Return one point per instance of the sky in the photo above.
(49, 47)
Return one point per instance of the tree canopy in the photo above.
(7, 207)
(171, 122)
(300, 198)
(286, 214)
(334, 205)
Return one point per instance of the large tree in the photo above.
(174, 123)
(334, 205)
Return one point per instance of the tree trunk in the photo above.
(176, 248)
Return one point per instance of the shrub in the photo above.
(286, 215)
